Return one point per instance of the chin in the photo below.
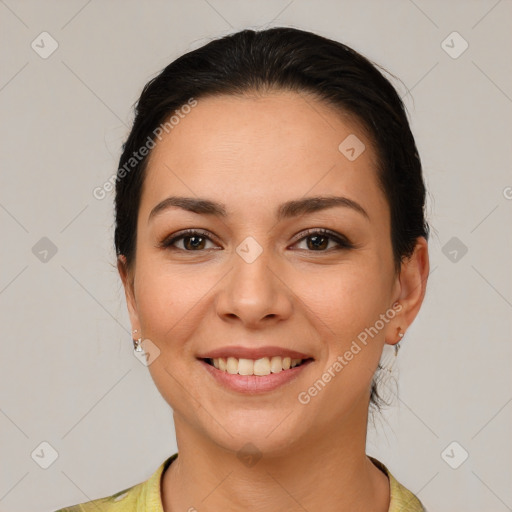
(263, 434)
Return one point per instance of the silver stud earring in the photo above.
(397, 346)
(137, 342)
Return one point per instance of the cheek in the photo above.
(344, 306)
(168, 298)
(348, 299)
(169, 305)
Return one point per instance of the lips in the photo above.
(240, 352)
(255, 384)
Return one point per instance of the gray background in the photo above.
(68, 375)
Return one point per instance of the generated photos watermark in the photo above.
(343, 360)
(100, 192)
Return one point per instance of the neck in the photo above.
(329, 471)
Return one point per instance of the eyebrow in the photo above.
(286, 210)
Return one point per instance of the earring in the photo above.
(397, 346)
(137, 343)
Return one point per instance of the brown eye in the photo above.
(318, 240)
(192, 240)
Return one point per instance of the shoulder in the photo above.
(122, 500)
(401, 498)
(140, 497)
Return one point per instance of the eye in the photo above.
(193, 240)
(320, 238)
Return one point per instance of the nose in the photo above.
(254, 293)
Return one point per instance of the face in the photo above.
(263, 274)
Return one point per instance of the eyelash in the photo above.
(342, 241)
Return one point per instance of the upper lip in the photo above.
(252, 353)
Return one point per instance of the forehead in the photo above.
(265, 149)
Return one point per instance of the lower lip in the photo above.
(254, 383)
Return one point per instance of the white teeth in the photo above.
(246, 367)
(232, 365)
(276, 364)
(262, 366)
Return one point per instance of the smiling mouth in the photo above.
(258, 367)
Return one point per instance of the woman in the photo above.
(271, 240)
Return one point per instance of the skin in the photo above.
(252, 153)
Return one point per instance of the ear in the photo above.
(412, 286)
(129, 291)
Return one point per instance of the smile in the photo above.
(262, 366)
(254, 376)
